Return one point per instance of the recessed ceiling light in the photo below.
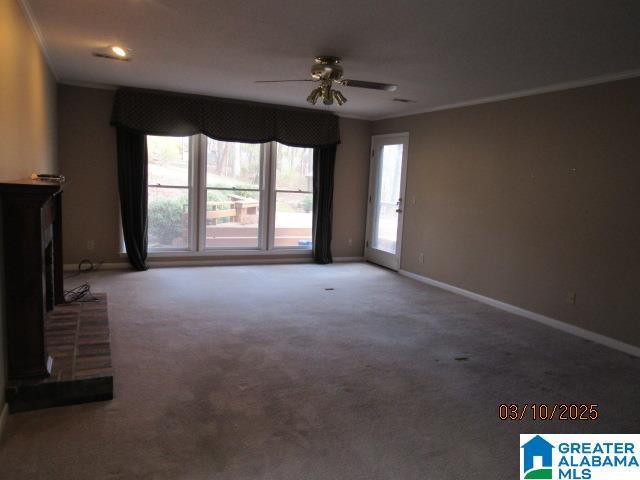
(114, 52)
(119, 51)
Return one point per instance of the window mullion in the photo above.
(272, 195)
(193, 197)
(264, 208)
(264, 196)
(201, 162)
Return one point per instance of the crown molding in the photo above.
(557, 87)
(31, 20)
(353, 117)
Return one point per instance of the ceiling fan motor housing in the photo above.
(326, 68)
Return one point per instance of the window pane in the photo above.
(233, 165)
(293, 219)
(294, 169)
(168, 218)
(168, 160)
(232, 218)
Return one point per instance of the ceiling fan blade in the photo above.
(387, 87)
(281, 81)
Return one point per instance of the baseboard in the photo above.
(551, 322)
(4, 415)
(228, 262)
(69, 267)
(157, 262)
(347, 259)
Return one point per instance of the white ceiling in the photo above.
(439, 52)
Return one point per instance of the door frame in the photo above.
(370, 253)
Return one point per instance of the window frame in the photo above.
(192, 194)
(202, 200)
(273, 196)
(198, 208)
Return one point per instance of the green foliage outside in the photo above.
(307, 203)
(224, 195)
(165, 219)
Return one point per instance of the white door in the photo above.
(386, 199)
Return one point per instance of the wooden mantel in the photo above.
(32, 237)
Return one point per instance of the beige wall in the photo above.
(350, 188)
(530, 199)
(27, 114)
(87, 151)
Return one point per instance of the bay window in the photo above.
(206, 195)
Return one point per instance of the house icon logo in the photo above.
(537, 459)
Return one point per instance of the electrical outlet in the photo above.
(350, 241)
(571, 298)
(413, 199)
(91, 245)
(421, 257)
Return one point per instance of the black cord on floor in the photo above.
(85, 266)
(82, 293)
(78, 293)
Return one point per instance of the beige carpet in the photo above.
(262, 373)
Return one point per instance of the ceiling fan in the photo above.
(327, 70)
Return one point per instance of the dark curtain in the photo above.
(132, 184)
(324, 160)
(137, 113)
(175, 114)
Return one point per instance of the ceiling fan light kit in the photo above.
(328, 70)
(314, 95)
(341, 99)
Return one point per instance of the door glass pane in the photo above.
(233, 165)
(294, 169)
(168, 193)
(168, 218)
(293, 220)
(385, 224)
(232, 218)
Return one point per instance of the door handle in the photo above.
(398, 210)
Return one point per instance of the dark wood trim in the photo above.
(58, 271)
(33, 265)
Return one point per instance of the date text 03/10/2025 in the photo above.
(543, 411)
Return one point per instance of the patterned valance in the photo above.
(172, 114)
